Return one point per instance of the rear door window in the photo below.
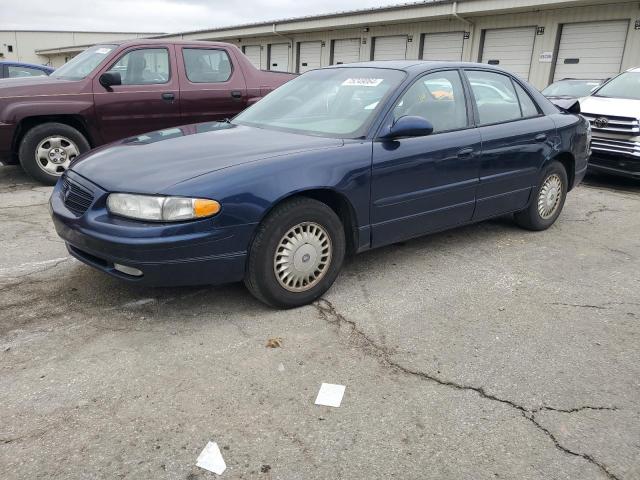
(495, 96)
(529, 108)
(206, 65)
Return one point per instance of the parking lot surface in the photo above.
(484, 352)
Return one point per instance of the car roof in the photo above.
(418, 66)
(634, 70)
(24, 64)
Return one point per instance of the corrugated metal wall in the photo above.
(546, 41)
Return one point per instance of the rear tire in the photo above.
(547, 201)
(47, 150)
(296, 254)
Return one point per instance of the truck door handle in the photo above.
(541, 137)
(236, 94)
(168, 97)
(465, 153)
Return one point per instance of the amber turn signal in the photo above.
(205, 208)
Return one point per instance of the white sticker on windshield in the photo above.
(362, 82)
(103, 51)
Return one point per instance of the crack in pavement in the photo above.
(329, 314)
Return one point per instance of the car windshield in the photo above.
(626, 85)
(571, 88)
(339, 102)
(83, 64)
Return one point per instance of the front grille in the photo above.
(612, 124)
(76, 198)
(619, 147)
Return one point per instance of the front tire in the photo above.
(296, 254)
(47, 150)
(547, 201)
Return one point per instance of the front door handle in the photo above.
(236, 94)
(168, 97)
(465, 153)
(541, 138)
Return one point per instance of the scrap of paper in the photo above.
(330, 395)
(211, 459)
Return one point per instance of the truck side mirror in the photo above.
(109, 79)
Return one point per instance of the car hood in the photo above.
(152, 162)
(41, 85)
(620, 107)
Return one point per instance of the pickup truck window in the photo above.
(144, 66)
(84, 63)
(206, 65)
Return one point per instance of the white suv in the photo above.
(614, 113)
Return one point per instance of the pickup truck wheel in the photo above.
(547, 201)
(296, 254)
(47, 150)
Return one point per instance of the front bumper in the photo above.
(186, 253)
(616, 155)
(620, 165)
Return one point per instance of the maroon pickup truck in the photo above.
(116, 90)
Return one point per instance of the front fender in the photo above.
(248, 192)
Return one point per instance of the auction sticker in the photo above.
(103, 51)
(362, 82)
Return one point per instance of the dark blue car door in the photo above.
(424, 184)
(516, 140)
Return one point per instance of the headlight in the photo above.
(160, 209)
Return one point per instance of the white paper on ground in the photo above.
(211, 459)
(330, 395)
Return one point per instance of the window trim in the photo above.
(134, 49)
(184, 64)
(513, 80)
(389, 117)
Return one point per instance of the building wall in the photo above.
(25, 43)
(496, 17)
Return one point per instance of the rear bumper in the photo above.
(188, 253)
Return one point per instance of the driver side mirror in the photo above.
(109, 79)
(409, 126)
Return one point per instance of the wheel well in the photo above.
(569, 163)
(341, 206)
(26, 124)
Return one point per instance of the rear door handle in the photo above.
(541, 138)
(168, 97)
(236, 94)
(465, 153)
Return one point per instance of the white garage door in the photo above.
(254, 54)
(591, 50)
(443, 46)
(390, 48)
(346, 51)
(309, 56)
(279, 57)
(510, 48)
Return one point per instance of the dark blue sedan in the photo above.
(337, 161)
